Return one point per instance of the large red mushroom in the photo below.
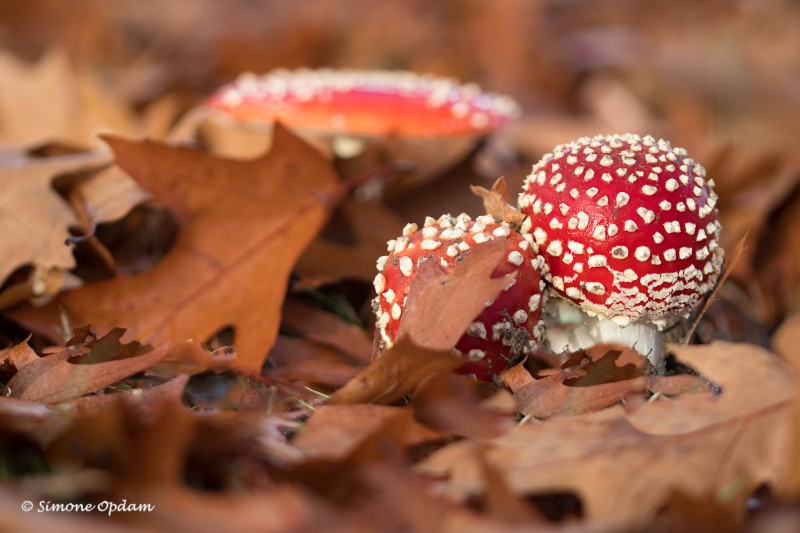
(363, 102)
(629, 232)
(506, 330)
(367, 118)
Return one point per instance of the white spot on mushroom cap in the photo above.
(409, 229)
(379, 283)
(599, 233)
(554, 248)
(620, 252)
(477, 329)
(515, 258)
(406, 265)
(597, 261)
(396, 311)
(429, 232)
(501, 231)
(642, 253)
(595, 288)
(430, 244)
(476, 354)
(575, 247)
(481, 238)
(583, 220)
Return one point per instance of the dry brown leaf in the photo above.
(54, 101)
(33, 419)
(786, 343)
(676, 385)
(105, 197)
(301, 359)
(326, 328)
(328, 261)
(142, 438)
(440, 306)
(516, 377)
(396, 374)
(623, 467)
(549, 396)
(496, 202)
(189, 358)
(337, 432)
(243, 226)
(19, 355)
(448, 402)
(53, 378)
(265, 510)
(33, 216)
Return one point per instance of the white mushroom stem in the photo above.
(570, 329)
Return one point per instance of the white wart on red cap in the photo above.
(627, 226)
(364, 102)
(507, 329)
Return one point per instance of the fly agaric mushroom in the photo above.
(506, 330)
(356, 102)
(628, 229)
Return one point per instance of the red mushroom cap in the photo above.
(364, 103)
(627, 226)
(507, 329)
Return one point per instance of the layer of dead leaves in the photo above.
(186, 318)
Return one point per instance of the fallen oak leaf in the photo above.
(551, 396)
(605, 370)
(747, 380)
(676, 385)
(337, 432)
(53, 378)
(142, 438)
(327, 261)
(440, 306)
(106, 196)
(449, 402)
(244, 223)
(496, 202)
(785, 343)
(32, 419)
(326, 328)
(34, 218)
(189, 357)
(31, 111)
(623, 467)
(516, 377)
(395, 374)
(109, 348)
(19, 355)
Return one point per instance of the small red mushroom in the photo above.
(507, 329)
(628, 229)
(357, 102)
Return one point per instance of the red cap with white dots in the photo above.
(364, 102)
(627, 226)
(507, 329)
